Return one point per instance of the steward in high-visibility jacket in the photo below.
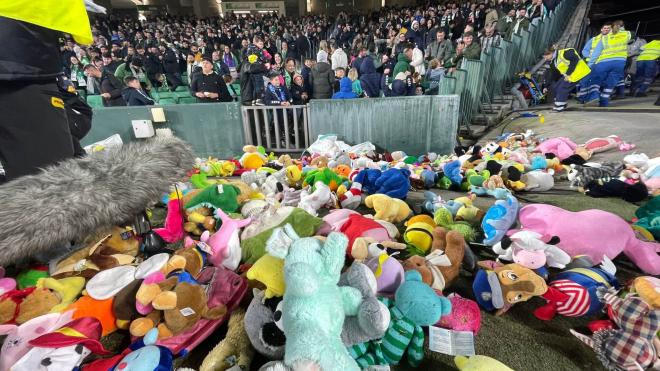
(647, 68)
(570, 65)
(615, 46)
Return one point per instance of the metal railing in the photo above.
(477, 82)
(277, 128)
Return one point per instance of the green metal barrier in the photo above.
(411, 124)
(212, 129)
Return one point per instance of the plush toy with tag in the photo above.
(224, 245)
(440, 267)
(234, 351)
(415, 304)
(498, 287)
(314, 307)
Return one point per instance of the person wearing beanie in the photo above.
(322, 77)
(208, 86)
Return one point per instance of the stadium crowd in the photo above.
(281, 60)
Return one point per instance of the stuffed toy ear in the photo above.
(413, 275)
(279, 242)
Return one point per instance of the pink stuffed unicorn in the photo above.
(594, 233)
(173, 231)
(224, 245)
(16, 343)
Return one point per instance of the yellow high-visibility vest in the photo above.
(650, 51)
(615, 46)
(594, 41)
(580, 71)
(68, 16)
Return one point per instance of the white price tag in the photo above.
(220, 189)
(451, 342)
(187, 311)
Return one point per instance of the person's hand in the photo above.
(199, 94)
(452, 70)
(285, 104)
(408, 73)
(213, 95)
(386, 71)
(106, 95)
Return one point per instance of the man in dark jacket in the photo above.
(133, 93)
(253, 70)
(369, 78)
(172, 66)
(153, 66)
(322, 77)
(208, 86)
(110, 86)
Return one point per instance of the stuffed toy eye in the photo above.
(277, 316)
(512, 276)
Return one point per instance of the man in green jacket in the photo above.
(133, 68)
(403, 60)
(467, 49)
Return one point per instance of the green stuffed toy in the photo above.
(222, 196)
(324, 175)
(314, 306)
(444, 218)
(304, 224)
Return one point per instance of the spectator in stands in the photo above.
(275, 94)
(109, 86)
(506, 26)
(133, 93)
(208, 86)
(403, 60)
(306, 71)
(362, 53)
(339, 57)
(434, 75)
(521, 23)
(219, 65)
(491, 16)
(229, 58)
(490, 38)
(440, 48)
(415, 36)
(134, 68)
(417, 60)
(340, 73)
(536, 10)
(74, 71)
(171, 66)
(322, 77)
(356, 86)
(369, 78)
(345, 90)
(299, 94)
(465, 49)
(277, 64)
(289, 71)
(402, 85)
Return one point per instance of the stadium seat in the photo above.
(95, 101)
(187, 100)
(163, 89)
(82, 93)
(181, 88)
(167, 101)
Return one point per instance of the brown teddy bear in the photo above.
(440, 267)
(319, 162)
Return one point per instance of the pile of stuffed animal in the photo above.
(321, 263)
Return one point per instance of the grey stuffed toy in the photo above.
(371, 322)
(538, 181)
(257, 178)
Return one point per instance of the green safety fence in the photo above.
(411, 124)
(479, 81)
(212, 129)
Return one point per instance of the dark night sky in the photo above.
(649, 20)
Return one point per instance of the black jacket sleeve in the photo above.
(573, 60)
(112, 86)
(194, 84)
(223, 92)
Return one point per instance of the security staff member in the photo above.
(208, 86)
(610, 63)
(590, 51)
(569, 69)
(647, 68)
(34, 130)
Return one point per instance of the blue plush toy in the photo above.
(415, 305)
(394, 183)
(314, 307)
(452, 171)
(538, 163)
(498, 193)
(498, 219)
(367, 178)
(149, 357)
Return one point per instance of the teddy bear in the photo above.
(234, 350)
(389, 209)
(415, 304)
(441, 266)
(20, 306)
(179, 305)
(314, 306)
(319, 162)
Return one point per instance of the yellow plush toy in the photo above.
(418, 232)
(468, 212)
(293, 174)
(252, 159)
(67, 289)
(269, 270)
(479, 363)
(387, 208)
